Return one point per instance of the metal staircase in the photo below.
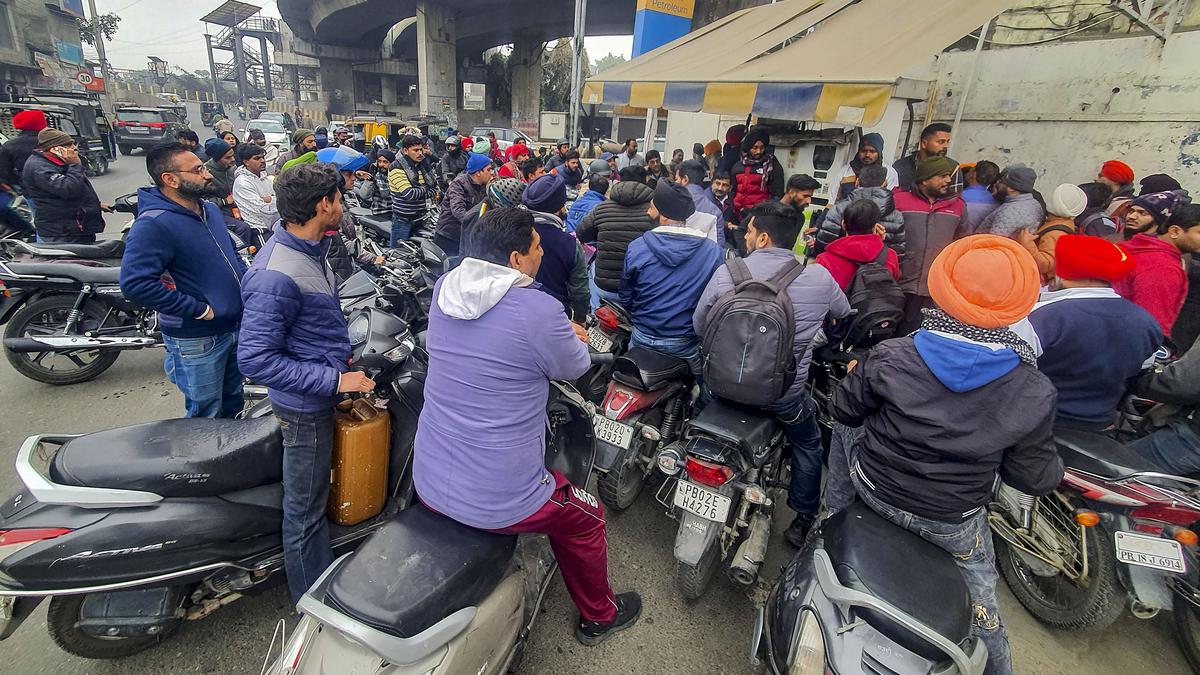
(255, 72)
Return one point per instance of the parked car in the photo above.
(504, 136)
(146, 127)
(277, 134)
(281, 117)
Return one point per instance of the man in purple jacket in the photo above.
(495, 343)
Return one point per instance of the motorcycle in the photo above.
(722, 475)
(1115, 533)
(866, 596)
(648, 397)
(468, 607)
(132, 531)
(608, 332)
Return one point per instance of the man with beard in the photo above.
(304, 141)
(933, 218)
(870, 153)
(179, 233)
(935, 142)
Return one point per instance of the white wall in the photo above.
(1065, 107)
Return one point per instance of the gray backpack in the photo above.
(748, 344)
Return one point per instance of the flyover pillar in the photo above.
(387, 89)
(437, 67)
(526, 62)
(337, 83)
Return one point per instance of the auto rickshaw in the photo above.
(92, 152)
(209, 111)
(365, 128)
(87, 113)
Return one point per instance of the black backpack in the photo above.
(748, 344)
(878, 303)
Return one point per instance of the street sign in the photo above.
(83, 77)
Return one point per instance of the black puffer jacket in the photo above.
(612, 226)
(14, 154)
(831, 227)
(67, 205)
(935, 452)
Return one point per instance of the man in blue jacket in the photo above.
(666, 270)
(295, 341)
(180, 262)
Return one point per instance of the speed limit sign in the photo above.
(84, 78)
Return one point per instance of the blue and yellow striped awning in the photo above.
(856, 104)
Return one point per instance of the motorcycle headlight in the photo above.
(358, 329)
(809, 656)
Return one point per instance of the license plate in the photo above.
(1146, 551)
(138, 130)
(612, 431)
(598, 340)
(704, 503)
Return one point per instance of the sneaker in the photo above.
(797, 532)
(592, 633)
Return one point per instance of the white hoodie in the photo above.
(475, 286)
(248, 193)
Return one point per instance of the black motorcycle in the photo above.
(866, 596)
(609, 330)
(131, 531)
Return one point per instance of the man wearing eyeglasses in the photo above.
(180, 261)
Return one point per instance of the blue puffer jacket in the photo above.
(666, 271)
(587, 201)
(294, 337)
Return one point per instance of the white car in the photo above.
(277, 135)
(504, 136)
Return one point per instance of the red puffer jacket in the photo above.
(748, 187)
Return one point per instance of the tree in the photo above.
(499, 82)
(604, 63)
(108, 24)
(556, 76)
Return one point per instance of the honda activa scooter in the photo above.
(131, 531)
(427, 595)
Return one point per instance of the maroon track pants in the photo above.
(574, 522)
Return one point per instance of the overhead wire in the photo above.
(1052, 38)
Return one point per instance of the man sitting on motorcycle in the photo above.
(346, 248)
(495, 343)
(1176, 446)
(771, 234)
(563, 272)
(1063, 328)
(948, 408)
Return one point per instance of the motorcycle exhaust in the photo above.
(70, 343)
(751, 553)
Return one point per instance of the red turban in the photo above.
(29, 120)
(1117, 171)
(985, 281)
(1078, 256)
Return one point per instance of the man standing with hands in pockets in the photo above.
(294, 340)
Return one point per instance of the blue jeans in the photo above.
(307, 453)
(1175, 448)
(839, 489)
(401, 230)
(205, 369)
(686, 348)
(598, 293)
(804, 437)
(970, 542)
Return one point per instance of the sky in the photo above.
(177, 36)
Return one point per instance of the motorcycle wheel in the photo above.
(693, 580)
(620, 487)
(47, 316)
(1060, 602)
(1187, 626)
(61, 618)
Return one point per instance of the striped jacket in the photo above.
(410, 188)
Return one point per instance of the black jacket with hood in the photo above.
(941, 417)
(612, 226)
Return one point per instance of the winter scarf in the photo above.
(937, 320)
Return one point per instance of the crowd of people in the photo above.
(1018, 311)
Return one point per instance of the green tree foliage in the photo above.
(556, 76)
(605, 62)
(499, 82)
(108, 24)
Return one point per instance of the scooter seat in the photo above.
(378, 222)
(750, 429)
(872, 555)
(175, 458)
(649, 370)
(109, 248)
(1098, 454)
(88, 274)
(418, 569)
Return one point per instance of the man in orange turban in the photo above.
(946, 409)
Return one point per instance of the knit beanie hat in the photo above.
(985, 281)
(547, 194)
(477, 162)
(1078, 256)
(712, 147)
(1019, 177)
(216, 148)
(52, 138)
(1067, 201)
(1158, 182)
(933, 166)
(697, 148)
(673, 201)
(874, 140)
(1117, 171)
(301, 134)
(735, 134)
(468, 143)
(505, 192)
(1160, 205)
(29, 120)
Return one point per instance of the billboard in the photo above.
(74, 8)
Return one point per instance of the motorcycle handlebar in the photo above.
(602, 358)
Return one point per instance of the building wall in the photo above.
(37, 28)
